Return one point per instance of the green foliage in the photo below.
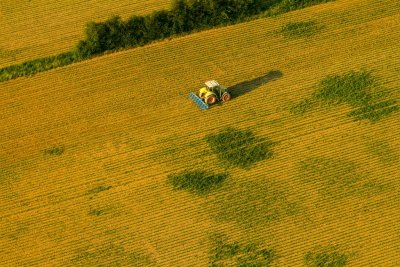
(241, 255)
(351, 88)
(300, 29)
(357, 89)
(197, 182)
(284, 6)
(54, 151)
(338, 178)
(325, 257)
(160, 25)
(302, 107)
(95, 212)
(98, 189)
(185, 16)
(110, 255)
(136, 31)
(37, 65)
(374, 112)
(383, 151)
(239, 148)
(100, 37)
(251, 204)
(100, 211)
(371, 108)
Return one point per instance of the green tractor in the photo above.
(210, 94)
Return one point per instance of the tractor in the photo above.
(210, 94)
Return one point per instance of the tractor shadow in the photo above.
(245, 87)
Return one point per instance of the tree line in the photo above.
(185, 16)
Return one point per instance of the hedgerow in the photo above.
(185, 16)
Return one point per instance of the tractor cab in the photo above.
(212, 84)
(216, 88)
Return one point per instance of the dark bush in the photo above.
(136, 31)
(202, 14)
(160, 25)
(181, 12)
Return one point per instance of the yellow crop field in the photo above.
(86, 149)
(33, 29)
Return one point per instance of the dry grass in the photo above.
(112, 113)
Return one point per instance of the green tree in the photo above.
(114, 34)
(136, 30)
(160, 25)
(180, 10)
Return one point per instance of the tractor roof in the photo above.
(211, 83)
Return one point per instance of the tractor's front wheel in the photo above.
(226, 97)
(210, 99)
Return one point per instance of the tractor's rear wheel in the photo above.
(226, 96)
(211, 99)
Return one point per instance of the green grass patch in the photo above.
(302, 107)
(300, 29)
(374, 112)
(110, 255)
(357, 89)
(9, 54)
(197, 182)
(54, 151)
(338, 178)
(284, 6)
(382, 150)
(239, 148)
(376, 115)
(325, 257)
(252, 204)
(237, 254)
(100, 211)
(98, 189)
(95, 212)
(351, 88)
(34, 66)
(371, 108)
(21, 228)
